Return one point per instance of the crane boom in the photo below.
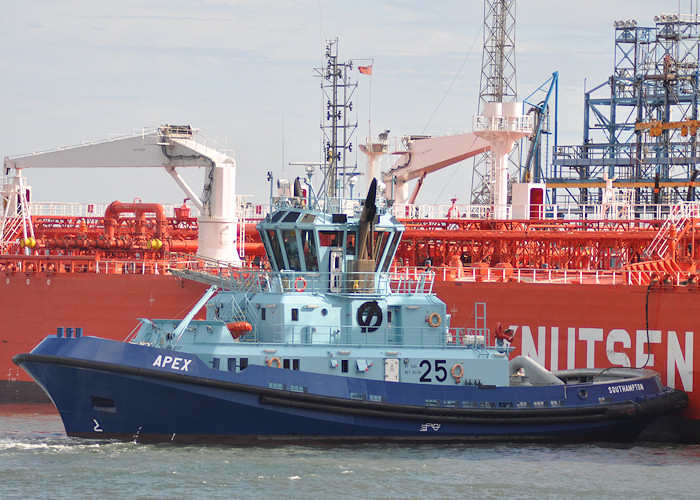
(168, 147)
(425, 155)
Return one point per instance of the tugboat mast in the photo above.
(338, 132)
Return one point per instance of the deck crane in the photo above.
(424, 155)
(532, 170)
(169, 147)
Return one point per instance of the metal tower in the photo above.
(639, 126)
(497, 84)
(338, 132)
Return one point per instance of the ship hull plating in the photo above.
(111, 390)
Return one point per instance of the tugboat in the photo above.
(329, 346)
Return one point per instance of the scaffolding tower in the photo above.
(640, 126)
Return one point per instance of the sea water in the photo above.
(37, 460)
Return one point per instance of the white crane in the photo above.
(424, 155)
(167, 147)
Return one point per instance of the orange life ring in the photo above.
(455, 375)
(434, 320)
(302, 287)
(274, 360)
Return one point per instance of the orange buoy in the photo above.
(239, 328)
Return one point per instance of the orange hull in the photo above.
(105, 305)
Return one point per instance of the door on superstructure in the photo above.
(391, 370)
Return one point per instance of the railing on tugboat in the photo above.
(224, 275)
(314, 334)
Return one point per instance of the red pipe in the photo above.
(139, 209)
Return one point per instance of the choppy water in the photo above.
(37, 460)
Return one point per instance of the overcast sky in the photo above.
(241, 71)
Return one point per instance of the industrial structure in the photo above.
(498, 83)
(640, 126)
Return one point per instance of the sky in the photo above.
(241, 72)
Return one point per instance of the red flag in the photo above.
(365, 70)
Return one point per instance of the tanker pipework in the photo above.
(139, 210)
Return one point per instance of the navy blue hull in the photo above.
(106, 389)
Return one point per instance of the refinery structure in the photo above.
(640, 126)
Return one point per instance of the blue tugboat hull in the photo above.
(111, 390)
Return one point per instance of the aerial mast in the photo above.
(338, 132)
(497, 84)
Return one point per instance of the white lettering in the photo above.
(528, 344)
(676, 359)
(646, 358)
(555, 348)
(616, 389)
(571, 348)
(590, 336)
(424, 427)
(618, 336)
(181, 364)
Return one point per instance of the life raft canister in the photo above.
(239, 328)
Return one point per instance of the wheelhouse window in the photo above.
(291, 247)
(380, 239)
(278, 261)
(350, 247)
(308, 243)
(395, 237)
(330, 238)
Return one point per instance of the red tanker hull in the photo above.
(105, 305)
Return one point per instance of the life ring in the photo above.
(455, 375)
(274, 360)
(300, 284)
(434, 320)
